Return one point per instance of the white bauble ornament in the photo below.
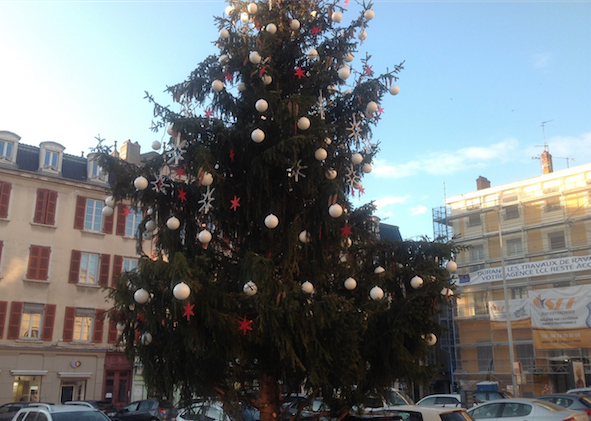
(257, 135)
(267, 79)
(362, 35)
(146, 338)
(156, 145)
(170, 129)
(330, 174)
(335, 210)
(204, 237)
(394, 89)
(254, 57)
(294, 24)
(107, 211)
(173, 223)
(252, 8)
(416, 282)
(336, 16)
(304, 237)
(271, 221)
(217, 85)
(304, 123)
(229, 10)
(223, 59)
(451, 266)
(372, 107)
(181, 291)
(350, 284)
(356, 158)
(379, 270)
(369, 14)
(261, 105)
(224, 34)
(430, 338)
(250, 288)
(327, 140)
(241, 87)
(348, 92)
(120, 326)
(141, 296)
(271, 28)
(206, 179)
(367, 168)
(312, 53)
(150, 225)
(110, 201)
(244, 17)
(140, 183)
(150, 211)
(320, 154)
(348, 57)
(307, 287)
(344, 73)
(376, 293)
(446, 292)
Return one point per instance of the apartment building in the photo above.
(531, 236)
(58, 254)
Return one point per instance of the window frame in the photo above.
(97, 209)
(551, 238)
(514, 246)
(5, 155)
(30, 309)
(85, 260)
(82, 316)
(45, 207)
(472, 220)
(512, 212)
(477, 249)
(132, 221)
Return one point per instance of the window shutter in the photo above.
(40, 206)
(4, 198)
(1, 247)
(51, 207)
(121, 218)
(104, 271)
(48, 321)
(34, 253)
(44, 263)
(80, 211)
(69, 319)
(117, 269)
(99, 322)
(14, 324)
(108, 224)
(3, 308)
(75, 267)
(113, 334)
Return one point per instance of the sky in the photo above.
(480, 80)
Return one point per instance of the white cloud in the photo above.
(389, 200)
(419, 210)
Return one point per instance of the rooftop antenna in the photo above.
(545, 157)
(544, 134)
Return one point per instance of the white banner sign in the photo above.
(519, 309)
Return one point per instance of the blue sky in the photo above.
(479, 79)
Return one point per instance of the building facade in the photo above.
(530, 238)
(58, 256)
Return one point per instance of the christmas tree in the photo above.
(258, 277)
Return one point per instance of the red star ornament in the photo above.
(232, 156)
(263, 70)
(126, 210)
(182, 195)
(245, 325)
(228, 76)
(181, 170)
(235, 203)
(346, 230)
(209, 113)
(188, 311)
(361, 191)
(299, 73)
(380, 110)
(367, 71)
(315, 30)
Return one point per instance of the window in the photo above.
(556, 240)
(89, 268)
(132, 221)
(474, 220)
(26, 389)
(552, 204)
(96, 172)
(5, 189)
(477, 253)
(525, 354)
(486, 363)
(129, 264)
(514, 247)
(31, 321)
(89, 216)
(511, 212)
(50, 160)
(38, 263)
(93, 215)
(519, 292)
(6, 150)
(45, 207)
(83, 325)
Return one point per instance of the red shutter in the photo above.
(3, 308)
(80, 211)
(44, 263)
(34, 262)
(51, 207)
(48, 321)
(117, 269)
(108, 224)
(69, 319)
(99, 322)
(40, 206)
(1, 247)
(121, 218)
(75, 267)
(104, 271)
(4, 198)
(14, 324)
(113, 334)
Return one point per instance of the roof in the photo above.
(390, 232)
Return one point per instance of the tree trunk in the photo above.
(269, 399)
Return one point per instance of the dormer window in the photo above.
(50, 160)
(51, 155)
(8, 147)
(6, 150)
(94, 171)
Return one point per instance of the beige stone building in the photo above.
(58, 252)
(534, 233)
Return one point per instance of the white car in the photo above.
(522, 409)
(214, 411)
(426, 413)
(450, 399)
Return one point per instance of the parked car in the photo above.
(305, 410)
(450, 399)
(147, 410)
(48, 412)
(423, 413)
(106, 407)
(571, 401)
(8, 410)
(214, 411)
(488, 395)
(581, 391)
(522, 409)
(376, 407)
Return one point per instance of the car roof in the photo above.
(443, 395)
(427, 409)
(59, 408)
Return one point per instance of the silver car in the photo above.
(522, 409)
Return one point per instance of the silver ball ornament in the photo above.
(304, 123)
(110, 201)
(416, 282)
(250, 288)
(181, 291)
(335, 210)
(320, 154)
(141, 296)
(261, 105)
(271, 221)
(394, 89)
(140, 183)
(156, 145)
(271, 28)
(376, 293)
(307, 287)
(451, 266)
(217, 85)
(350, 284)
(173, 223)
(257, 135)
(107, 211)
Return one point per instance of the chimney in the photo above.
(482, 183)
(130, 152)
(547, 163)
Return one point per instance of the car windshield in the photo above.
(586, 400)
(79, 416)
